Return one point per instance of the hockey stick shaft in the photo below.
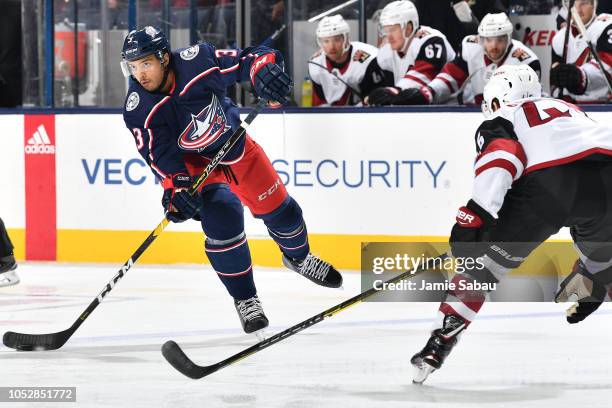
(56, 340)
(331, 10)
(585, 35)
(179, 360)
(356, 92)
(568, 28)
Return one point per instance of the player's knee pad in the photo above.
(222, 213)
(287, 228)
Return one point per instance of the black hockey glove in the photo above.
(570, 77)
(472, 222)
(177, 201)
(269, 79)
(585, 289)
(414, 96)
(383, 96)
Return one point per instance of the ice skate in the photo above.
(317, 270)
(8, 276)
(436, 350)
(252, 316)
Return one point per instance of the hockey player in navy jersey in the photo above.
(179, 115)
(542, 164)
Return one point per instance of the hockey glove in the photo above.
(414, 96)
(269, 79)
(383, 96)
(179, 204)
(472, 222)
(585, 289)
(570, 77)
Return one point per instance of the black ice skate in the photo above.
(437, 348)
(8, 276)
(251, 314)
(315, 269)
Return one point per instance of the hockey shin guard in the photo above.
(226, 244)
(287, 228)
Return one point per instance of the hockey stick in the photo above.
(568, 28)
(53, 341)
(340, 79)
(331, 10)
(585, 35)
(179, 360)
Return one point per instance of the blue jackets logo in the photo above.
(205, 127)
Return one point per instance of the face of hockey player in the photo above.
(585, 9)
(395, 36)
(148, 71)
(495, 47)
(333, 47)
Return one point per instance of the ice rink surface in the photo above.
(514, 355)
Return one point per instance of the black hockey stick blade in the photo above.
(36, 342)
(179, 360)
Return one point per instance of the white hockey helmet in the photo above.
(495, 25)
(510, 83)
(400, 12)
(331, 26)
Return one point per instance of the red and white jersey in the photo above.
(578, 52)
(529, 135)
(358, 71)
(472, 62)
(425, 56)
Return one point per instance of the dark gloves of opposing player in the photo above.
(585, 289)
(472, 222)
(570, 77)
(269, 79)
(179, 204)
(396, 96)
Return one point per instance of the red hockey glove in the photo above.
(472, 221)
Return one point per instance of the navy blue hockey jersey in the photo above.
(196, 118)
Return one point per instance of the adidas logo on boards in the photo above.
(39, 143)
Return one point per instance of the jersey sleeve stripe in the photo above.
(512, 147)
(426, 69)
(500, 158)
(415, 79)
(454, 71)
(449, 81)
(498, 164)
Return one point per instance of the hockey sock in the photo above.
(6, 246)
(226, 244)
(231, 260)
(464, 303)
(287, 228)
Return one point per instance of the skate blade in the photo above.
(260, 334)
(421, 372)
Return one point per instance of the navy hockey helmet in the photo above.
(141, 43)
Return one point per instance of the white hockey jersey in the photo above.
(473, 69)
(427, 53)
(600, 34)
(358, 72)
(529, 135)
